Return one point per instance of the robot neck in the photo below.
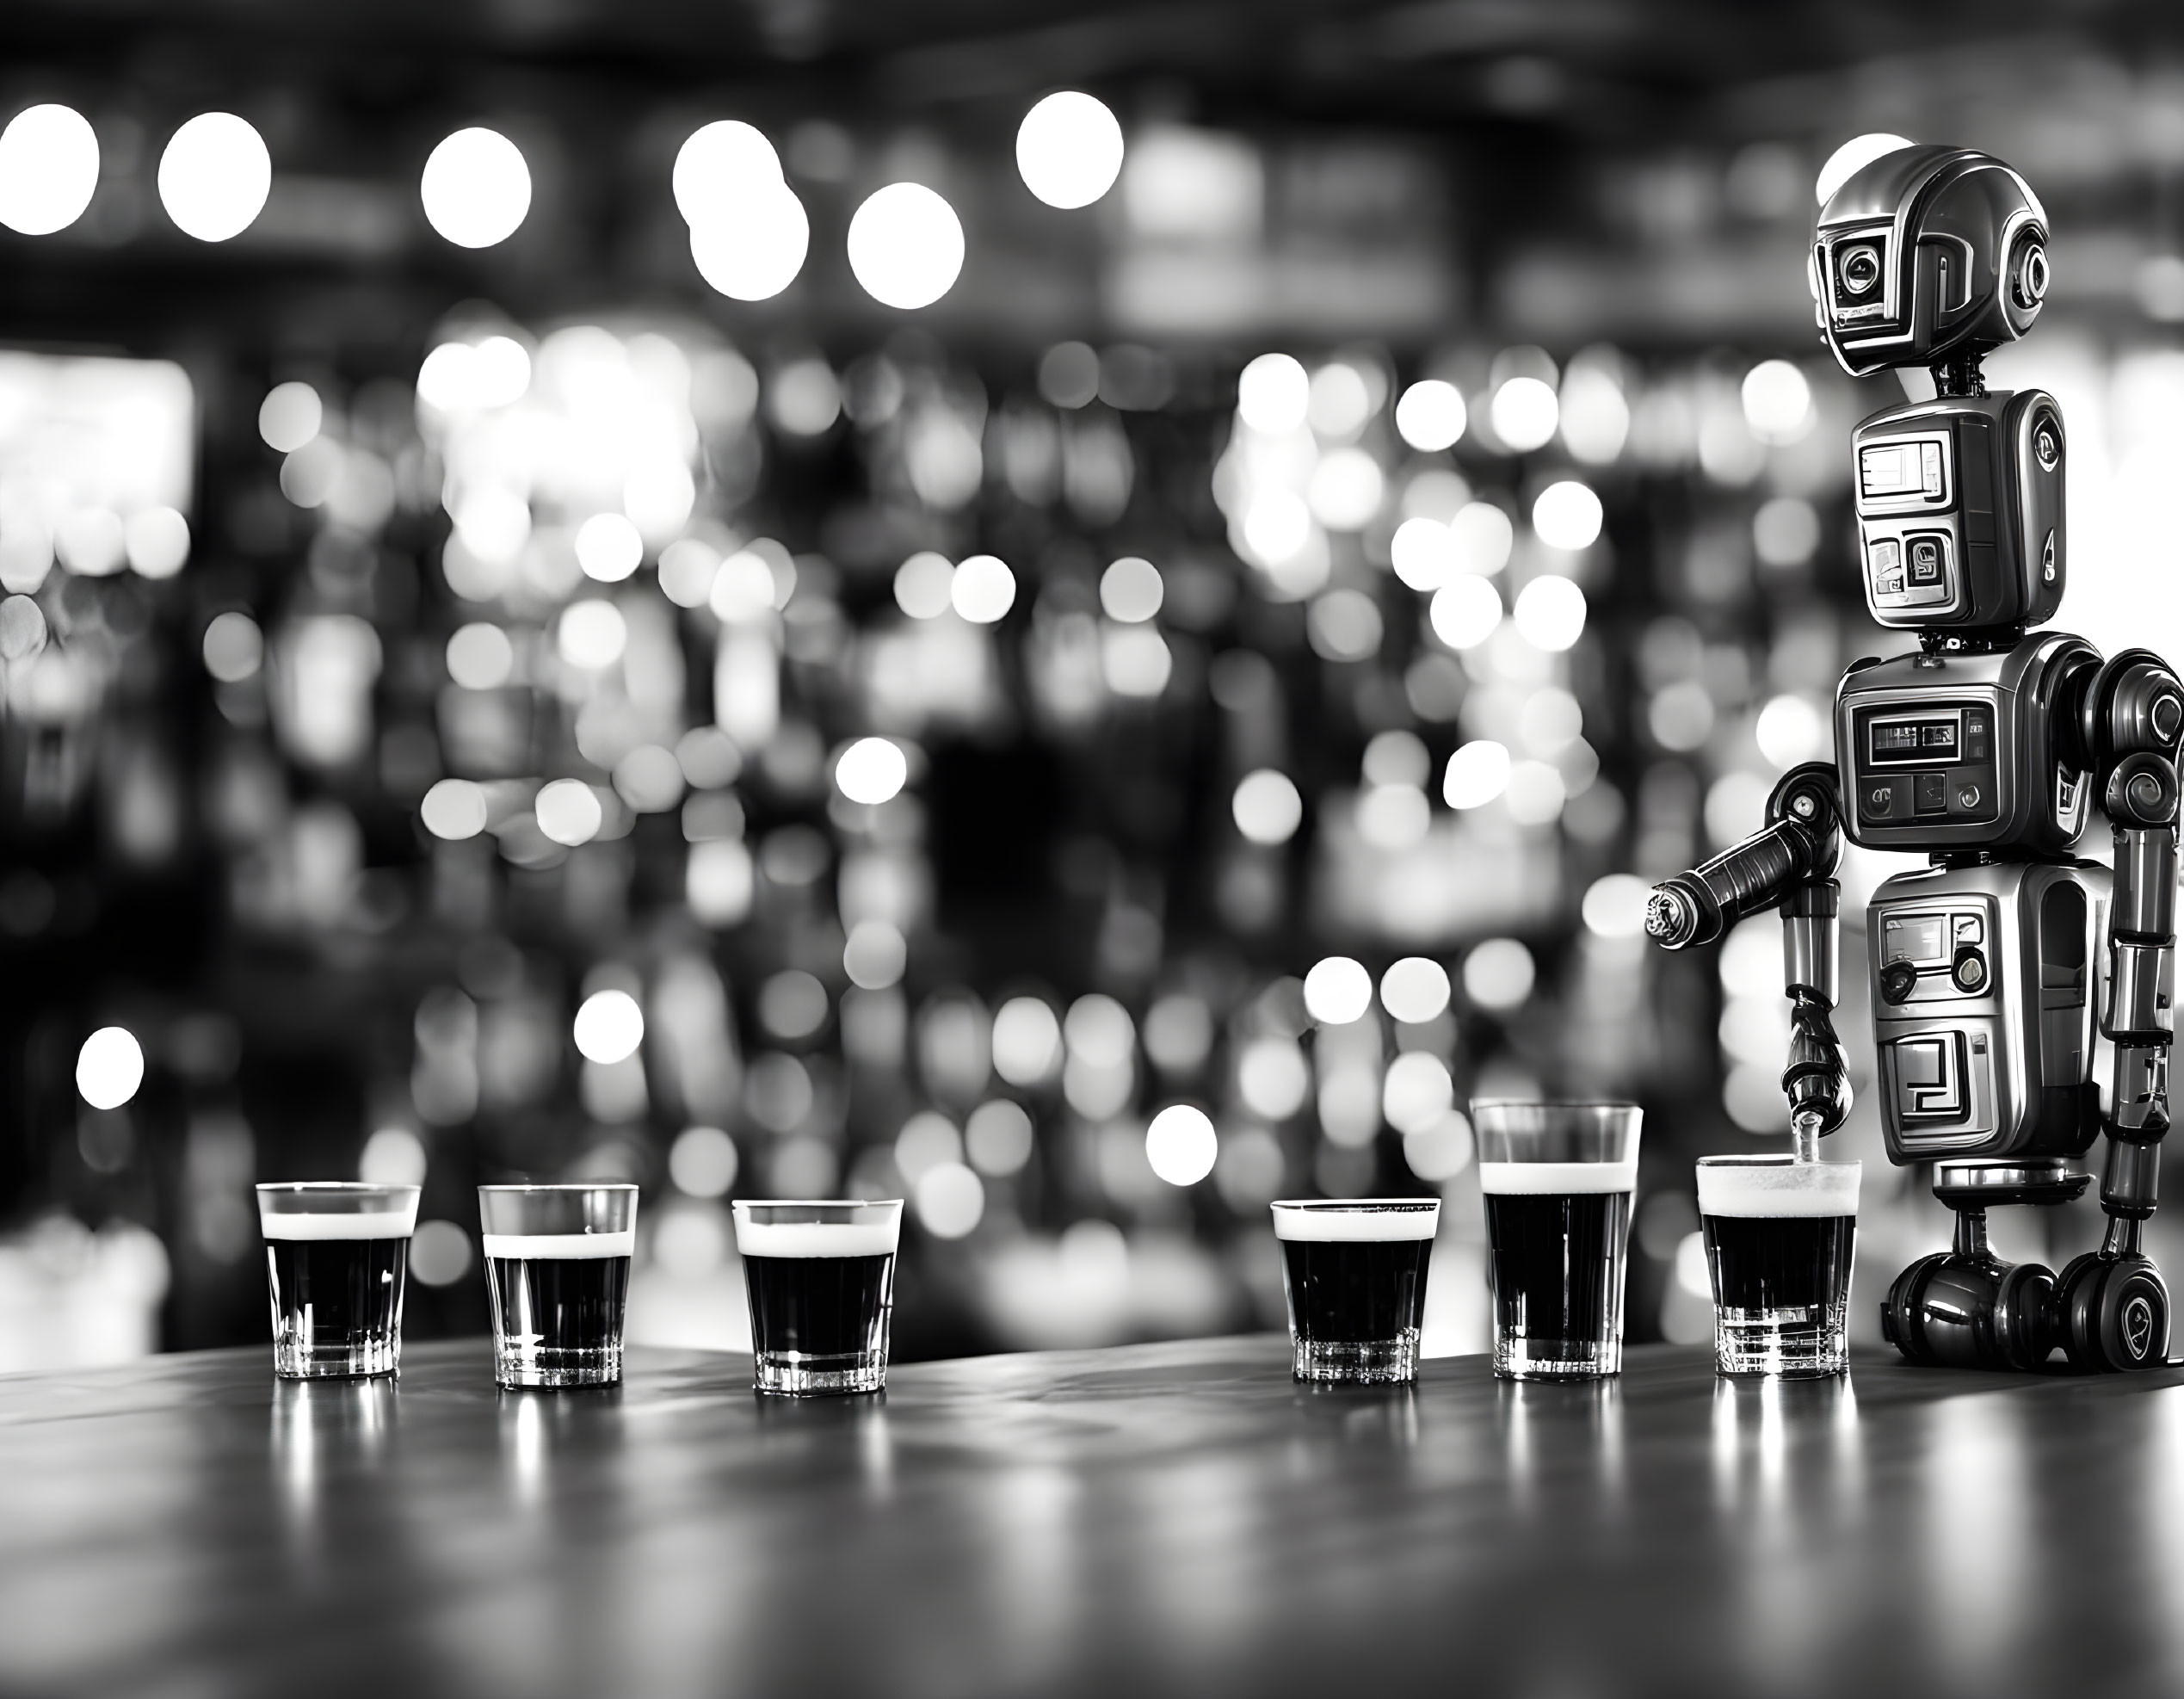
(1984, 640)
(1959, 375)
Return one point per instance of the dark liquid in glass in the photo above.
(1356, 1291)
(1554, 1260)
(1779, 1262)
(560, 1303)
(819, 1305)
(331, 1295)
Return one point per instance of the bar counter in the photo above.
(1166, 1519)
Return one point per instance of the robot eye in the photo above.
(1859, 269)
(2028, 279)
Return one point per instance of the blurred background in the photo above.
(1086, 613)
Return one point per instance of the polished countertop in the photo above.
(1158, 1519)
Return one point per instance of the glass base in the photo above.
(1529, 1359)
(357, 1361)
(515, 1365)
(808, 1375)
(1367, 1362)
(1787, 1344)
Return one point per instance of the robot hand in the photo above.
(1788, 864)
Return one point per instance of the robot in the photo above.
(1987, 748)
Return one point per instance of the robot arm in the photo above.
(2133, 717)
(1790, 864)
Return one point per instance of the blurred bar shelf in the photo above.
(1176, 1518)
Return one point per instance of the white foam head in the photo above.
(561, 1247)
(389, 1225)
(818, 1239)
(1537, 1179)
(328, 1212)
(1356, 1220)
(1778, 1187)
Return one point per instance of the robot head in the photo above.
(1925, 253)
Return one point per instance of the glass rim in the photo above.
(1336, 1205)
(1554, 1103)
(1772, 1159)
(336, 1188)
(564, 1186)
(814, 1204)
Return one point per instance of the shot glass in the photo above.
(1779, 1234)
(821, 1278)
(557, 1270)
(1558, 1179)
(1355, 1272)
(337, 1252)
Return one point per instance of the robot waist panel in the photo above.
(1984, 988)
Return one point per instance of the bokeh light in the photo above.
(905, 246)
(1131, 589)
(923, 585)
(1484, 537)
(609, 547)
(1778, 401)
(593, 635)
(1477, 774)
(1499, 973)
(1614, 905)
(234, 647)
(1414, 989)
(1525, 413)
(752, 245)
(874, 954)
(1441, 1151)
(476, 188)
(1417, 1092)
(950, 1199)
(982, 589)
(480, 657)
(1026, 1040)
(158, 542)
(289, 416)
(870, 771)
(1068, 149)
(703, 1162)
(569, 812)
(1550, 612)
(998, 1138)
(1464, 612)
(1266, 806)
(109, 1067)
(718, 165)
(1181, 1145)
(1567, 515)
(49, 168)
(1337, 991)
(1274, 393)
(1430, 415)
(1422, 552)
(609, 1027)
(454, 809)
(215, 176)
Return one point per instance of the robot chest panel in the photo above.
(1958, 754)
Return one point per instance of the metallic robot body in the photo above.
(2003, 973)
